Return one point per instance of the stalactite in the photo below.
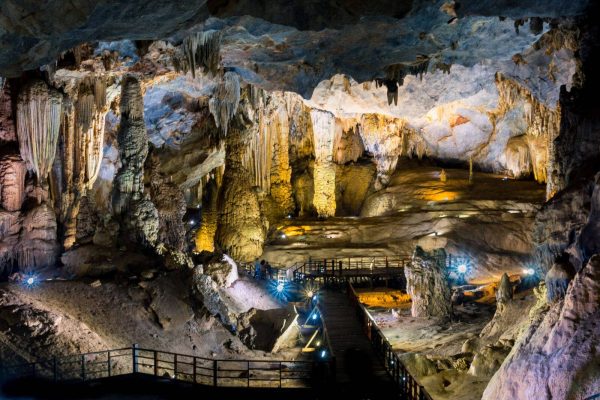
(38, 126)
(543, 126)
(323, 124)
(382, 137)
(81, 149)
(224, 102)
(200, 49)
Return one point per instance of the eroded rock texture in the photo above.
(128, 198)
(12, 182)
(427, 284)
(240, 230)
(38, 247)
(556, 357)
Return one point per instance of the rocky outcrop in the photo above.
(427, 284)
(555, 357)
(558, 278)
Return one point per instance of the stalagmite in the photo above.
(171, 207)
(37, 246)
(38, 126)
(240, 229)
(128, 189)
(323, 124)
(504, 293)
(427, 284)
(205, 237)
(12, 182)
(225, 99)
(133, 146)
(199, 50)
(7, 123)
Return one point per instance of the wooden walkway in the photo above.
(354, 353)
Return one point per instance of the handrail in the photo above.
(180, 367)
(406, 383)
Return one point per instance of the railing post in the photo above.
(194, 369)
(83, 367)
(108, 366)
(134, 356)
(279, 374)
(155, 356)
(215, 377)
(175, 367)
(248, 369)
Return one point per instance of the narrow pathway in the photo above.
(355, 357)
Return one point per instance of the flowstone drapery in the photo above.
(38, 125)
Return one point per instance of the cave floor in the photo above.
(44, 320)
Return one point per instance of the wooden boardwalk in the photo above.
(354, 353)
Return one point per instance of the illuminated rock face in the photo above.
(38, 126)
(240, 230)
(427, 284)
(323, 124)
(554, 358)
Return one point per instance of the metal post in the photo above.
(248, 368)
(155, 363)
(215, 373)
(109, 366)
(175, 367)
(83, 367)
(134, 356)
(280, 374)
(194, 369)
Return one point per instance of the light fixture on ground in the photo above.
(462, 268)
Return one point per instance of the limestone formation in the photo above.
(225, 100)
(199, 50)
(240, 230)
(12, 182)
(323, 124)
(38, 126)
(38, 247)
(554, 357)
(558, 278)
(427, 284)
(504, 293)
(128, 191)
(7, 122)
(205, 237)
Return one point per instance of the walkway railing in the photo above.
(180, 367)
(408, 387)
(367, 266)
